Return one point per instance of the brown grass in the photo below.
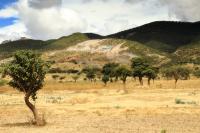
(91, 107)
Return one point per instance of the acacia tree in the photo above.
(27, 72)
(139, 65)
(150, 73)
(123, 72)
(176, 72)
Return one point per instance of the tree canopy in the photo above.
(27, 71)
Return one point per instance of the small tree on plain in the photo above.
(151, 74)
(109, 69)
(105, 79)
(27, 72)
(75, 77)
(176, 72)
(90, 73)
(139, 65)
(123, 72)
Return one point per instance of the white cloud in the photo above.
(13, 32)
(185, 10)
(8, 12)
(49, 23)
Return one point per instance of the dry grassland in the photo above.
(86, 107)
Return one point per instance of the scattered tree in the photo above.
(75, 77)
(139, 66)
(151, 74)
(90, 72)
(109, 69)
(123, 72)
(105, 79)
(27, 72)
(176, 72)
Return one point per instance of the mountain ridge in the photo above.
(168, 39)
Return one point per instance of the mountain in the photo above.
(163, 35)
(161, 42)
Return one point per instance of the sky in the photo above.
(50, 19)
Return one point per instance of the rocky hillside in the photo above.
(160, 42)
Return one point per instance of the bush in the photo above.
(55, 76)
(179, 101)
(72, 71)
(197, 73)
(3, 82)
(57, 70)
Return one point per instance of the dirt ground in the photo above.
(92, 108)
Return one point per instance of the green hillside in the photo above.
(162, 42)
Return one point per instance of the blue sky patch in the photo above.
(7, 21)
(4, 3)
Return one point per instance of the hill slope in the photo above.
(162, 42)
(163, 35)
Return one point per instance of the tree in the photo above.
(139, 65)
(27, 72)
(109, 70)
(75, 77)
(91, 72)
(105, 79)
(176, 72)
(123, 72)
(150, 73)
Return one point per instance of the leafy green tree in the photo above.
(176, 72)
(151, 74)
(123, 72)
(90, 72)
(139, 66)
(27, 72)
(90, 75)
(109, 69)
(105, 79)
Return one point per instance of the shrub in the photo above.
(3, 82)
(197, 73)
(55, 76)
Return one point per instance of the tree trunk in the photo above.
(149, 81)
(124, 87)
(105, 84)
(176, 80)
(31, 107)
(140, 79)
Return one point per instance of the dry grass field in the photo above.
(86, 107)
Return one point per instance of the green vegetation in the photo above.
(141, 68)
(2, 82)
(27, 71)
(75, 77)
(176, 72)
(91, 72)
(109, 70)
(197, 73)
(179, 101)
(105, 79)
(41, 46)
